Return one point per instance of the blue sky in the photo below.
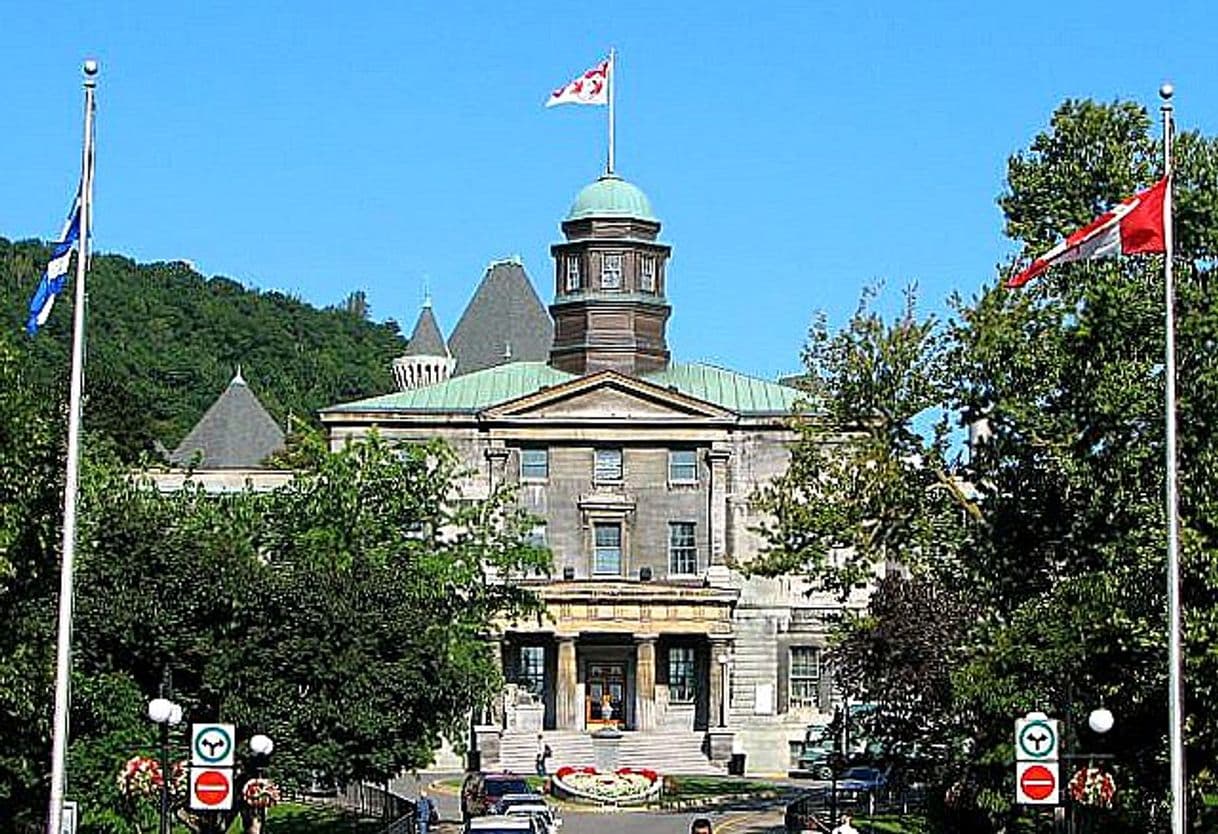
(794, 151)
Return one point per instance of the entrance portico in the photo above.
(637, 657)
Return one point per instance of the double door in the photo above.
(605, 700)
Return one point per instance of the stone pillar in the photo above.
(565, 696)
(498, 713)
(720, 698)
(718, 513)
(496, 458)
(645, 681)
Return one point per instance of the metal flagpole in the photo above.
(612, 95)
(63, 650)
(1175, 700)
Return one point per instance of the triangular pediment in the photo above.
(608, 396)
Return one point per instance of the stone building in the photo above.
(639, 470)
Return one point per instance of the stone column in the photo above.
(496, 458)
(718, 459)
(719, 698)
(566, 708)
(645, 681)
(498, 711)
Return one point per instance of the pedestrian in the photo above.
(425, 812)
(543, 753)
(700, 826)
(845, 827)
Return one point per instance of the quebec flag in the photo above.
(55, 275)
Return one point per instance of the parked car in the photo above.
(541, 812)
(508, 800)
(502, 824)
(859, 780)
(481, 792)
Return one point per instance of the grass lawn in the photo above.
(291, 818)
(708, 787)
(891, 825)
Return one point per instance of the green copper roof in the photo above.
(482, 389)
(469, 392)
(611, 196)
(728, 389)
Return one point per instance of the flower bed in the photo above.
(625, 786)
(1092, 786)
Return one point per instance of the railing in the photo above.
(376, 802)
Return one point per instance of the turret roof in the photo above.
(504, 322)
(236, 432)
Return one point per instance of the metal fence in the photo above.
(817, 809)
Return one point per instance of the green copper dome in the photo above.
(611, 196)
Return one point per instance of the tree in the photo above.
(1069, 374)
(866, 485)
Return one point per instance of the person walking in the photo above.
(543, 753)
(425, 812)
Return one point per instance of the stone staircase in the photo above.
(670, 752)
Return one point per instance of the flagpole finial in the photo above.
(1166, 91)
(90, 68)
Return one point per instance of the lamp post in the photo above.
(261, 747)
(166, 714)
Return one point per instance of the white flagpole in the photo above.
(612, 95)
(1175, 700)
(63, 651)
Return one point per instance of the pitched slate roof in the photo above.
(473, 392)
(235, 433)
(426, 339)
(505, 321)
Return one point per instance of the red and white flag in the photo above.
(590, 88)
(1136, 225)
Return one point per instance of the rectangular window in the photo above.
(608, 556)
(611, 272)
(805, 676)
(647, 274)
(682, 551)
(531, 670)
(682, 466)
(608, 466)
(681, 689)
(537, 535)
(534, 464)
(572, 273)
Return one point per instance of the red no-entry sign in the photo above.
(211, 789)
(1036, 783)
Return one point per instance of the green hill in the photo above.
(164, 341)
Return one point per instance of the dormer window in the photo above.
(647, 274)
(611, 272)
(572, 273)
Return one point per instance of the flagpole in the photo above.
(1175, 700)
(612, 95)
(63, 650)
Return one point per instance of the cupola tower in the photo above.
(610, 309)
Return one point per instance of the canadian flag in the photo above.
(1136, 225)
(590, 88)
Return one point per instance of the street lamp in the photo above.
(166, 714)
(1100, 720)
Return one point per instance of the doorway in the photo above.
(605, 699)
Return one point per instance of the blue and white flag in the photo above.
(56, 273)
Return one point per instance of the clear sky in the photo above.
(794, 151)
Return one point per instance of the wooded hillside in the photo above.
(164, 341)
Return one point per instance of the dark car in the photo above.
(862, 780)
(481, 792)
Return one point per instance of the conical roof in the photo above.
(504, 322)
(426, 339)
(235, 433)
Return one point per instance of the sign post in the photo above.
(1037, 778)
(212, 748)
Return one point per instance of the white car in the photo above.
(542, 813)
(502, 824)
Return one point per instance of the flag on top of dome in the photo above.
(592, 87)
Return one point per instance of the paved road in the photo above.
(749, 818)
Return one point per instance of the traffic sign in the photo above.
(67, 823)
(211, 788)
(1036, 783)
(1036, 738)
(211, 745)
